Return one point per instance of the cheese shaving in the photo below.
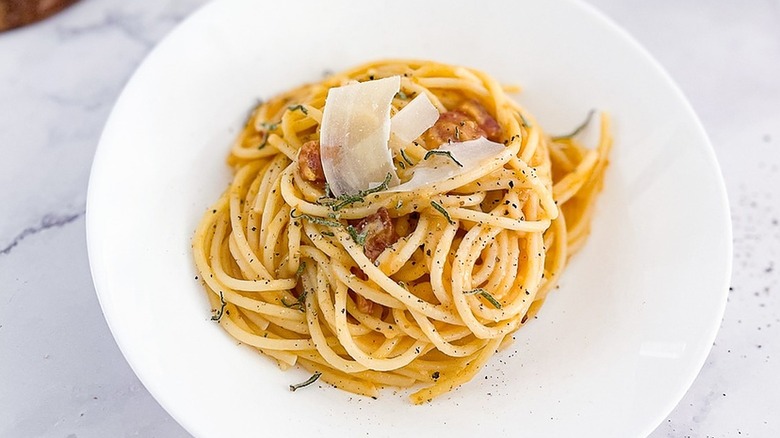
(354, 135)
(465, 156)
(356, 132)
(412, 121)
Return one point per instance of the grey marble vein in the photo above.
(47, 222)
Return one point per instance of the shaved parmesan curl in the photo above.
(354, 135)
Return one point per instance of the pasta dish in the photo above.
(393, 225)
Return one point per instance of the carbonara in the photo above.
(394, 225)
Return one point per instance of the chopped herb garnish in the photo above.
(401, 95)
(308, 382)
(443, 211)
(399, 204)
(299, 272)
(385, 184)
(264, 143)
(299, 304)
(342, 201)
(408, 161)
(578, 129)
(298, 107)
(402, 165)
(327, 233)
(485, 294)
(345, 200)
(359, 238)
(269, 126)
(525, 121)
(448, 154)
(218, 314)
(315, 219)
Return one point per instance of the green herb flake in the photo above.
(218, 314)
(385, 184)
(408, 161)
(485, 294)
(269, 126)
(578, 129)
(327, 233)
(299, 272)
(443, 211)
(345, 200)
(525, 121)
(315, 219)
(447, 154)
(342, 201)
(401, 95)
(264, 143)
(308, 382)
(298, 305)
(359, 238)
(298, 107)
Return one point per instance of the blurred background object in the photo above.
(17, 13)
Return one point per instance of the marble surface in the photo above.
(62, 375)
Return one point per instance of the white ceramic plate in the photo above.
(614, 349)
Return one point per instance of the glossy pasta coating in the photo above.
(410, 288)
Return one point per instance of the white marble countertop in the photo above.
(62, 375)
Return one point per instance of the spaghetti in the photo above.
(390, 287)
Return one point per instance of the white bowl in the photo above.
(614, 349)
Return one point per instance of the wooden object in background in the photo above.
(16, 13)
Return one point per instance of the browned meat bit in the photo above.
(452, 126)
(379, 231)
(297, 291)
(363, 304)
(357, 272)
(486, 122)
(468, 121)
(310, 163)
